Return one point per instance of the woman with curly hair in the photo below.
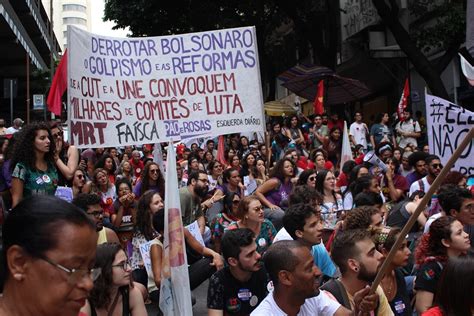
(107, 163)
(307, 177)
(113, 292)
(446, 239)
(333, 145)
(33, 163)
(150, 179)
(214, 170)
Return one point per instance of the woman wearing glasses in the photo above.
(48, 255)
(150, 179)
(307, 177)
(223, 219)
(113, 292)
(250, 215)
(66, 156)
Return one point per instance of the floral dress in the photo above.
(264, 238)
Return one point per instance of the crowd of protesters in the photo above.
(283, 227)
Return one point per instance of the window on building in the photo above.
(74, 20)
(74, 7)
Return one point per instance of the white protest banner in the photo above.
(448, 124)
(148, 90)
(193, 229)
(145, 252)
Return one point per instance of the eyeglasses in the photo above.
(75, 275)
(96, 213)
(154, 170)
(437, 165)
(218, 166)
(124, 265)
(312, 178)
(58, 135)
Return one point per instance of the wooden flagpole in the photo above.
(413, 218)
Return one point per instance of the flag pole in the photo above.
(424, 201)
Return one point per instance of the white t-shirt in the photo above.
(359, 131)
(409, 126)
(323, 304)
(416, 186)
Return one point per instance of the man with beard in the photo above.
(354, 252)
(90, 203)
(433, 168)
(296, 285)
(190, 199)
(242, 284)
(417, 161)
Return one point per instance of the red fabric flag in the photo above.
(58, 87)
(403, 101)
(220, 150)
(319, 99)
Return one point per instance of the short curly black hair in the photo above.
(84, 200)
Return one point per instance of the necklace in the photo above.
(388, 285)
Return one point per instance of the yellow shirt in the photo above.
(384, 307)
(102, 236)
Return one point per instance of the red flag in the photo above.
(220, 150)
(319, 99)
(58, 87)
(403, 101)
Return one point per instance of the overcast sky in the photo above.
(100, 27)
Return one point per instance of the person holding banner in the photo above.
(354, 252)
(33, 163)
(66, 156)
(393, 284)
(446, 239)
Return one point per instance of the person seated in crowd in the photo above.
(48, 254)
(113, 292)
(250, 215)
(401, 212)
(239, 287)
(455, 288)
(405, 167)
(354, 252)
(137, 163)
(151, 179)
(90, 203)
(446, 239)
(191, 201)
(433, 169)
(395, 185)
(393, 283)
(33, 173)
(80, 183)
(296, 282)
(274, 193)
(108, 164)
(458, 203)
(417, 161)
(231, 182)
(228, 215)
(356, 173)
(106, 191)
(331, 207)
(302, 223)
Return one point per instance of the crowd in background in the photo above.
(247, 200)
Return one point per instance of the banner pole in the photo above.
(413, 218)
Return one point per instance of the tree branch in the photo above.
(448, 56)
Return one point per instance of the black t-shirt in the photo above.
(228, 294)
(401, 305)
(428, 275)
